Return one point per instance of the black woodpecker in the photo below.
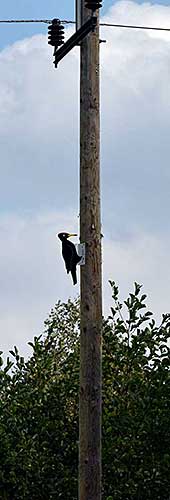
(69, 254)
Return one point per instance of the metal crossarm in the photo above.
(75, 39)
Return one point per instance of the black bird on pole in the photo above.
(69, 254)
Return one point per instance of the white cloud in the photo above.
(32, 274)
(135, 97)
(143, 258)
(38, 126)
(39, 123)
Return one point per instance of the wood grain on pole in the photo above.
(91, 290)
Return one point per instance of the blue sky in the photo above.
(17, 9)
(39, 146)
(63, 9)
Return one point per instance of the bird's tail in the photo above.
(74, 276)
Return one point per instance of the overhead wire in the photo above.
(136, 27)
(46, 21)
(65, 21)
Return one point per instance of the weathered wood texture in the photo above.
(91, 290)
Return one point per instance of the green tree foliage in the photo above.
(136, 418)
(39, 407)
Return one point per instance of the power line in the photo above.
(24, 21)
(46, 21)
(136, 27)
(64, 21)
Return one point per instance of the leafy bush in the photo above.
(39, 407)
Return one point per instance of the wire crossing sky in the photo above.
(41, 10)
(64, 21)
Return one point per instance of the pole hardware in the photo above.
(81, 250)
(55, 34)
(93, 4)
(75, 39)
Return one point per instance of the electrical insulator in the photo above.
(56, 33)
(93, 4)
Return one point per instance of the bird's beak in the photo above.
(73, 234)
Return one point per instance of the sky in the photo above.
(29, 9)
(39, 144)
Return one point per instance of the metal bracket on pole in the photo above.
(74, 40)
(81, 250)
(78, 14)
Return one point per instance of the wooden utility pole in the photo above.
(87, 35)
(91, 289)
